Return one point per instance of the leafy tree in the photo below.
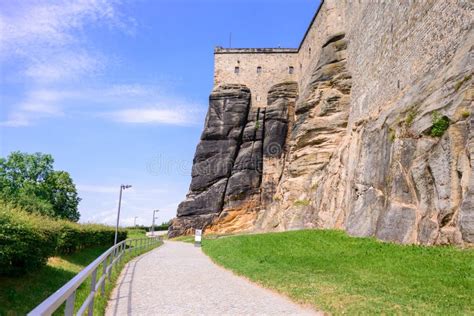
(29, 180)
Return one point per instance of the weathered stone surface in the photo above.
(186, 225)
(383, 174)
(466, 217)
(229, 161)
(206, 202)
(278, 121)
(397, 224)
(214, 159)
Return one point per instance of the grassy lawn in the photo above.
(340, 274)
(19, 295)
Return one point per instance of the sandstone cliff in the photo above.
(351, 147)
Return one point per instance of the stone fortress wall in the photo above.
(354, 128)
(275, 63)
(241, 66)
(423, 35)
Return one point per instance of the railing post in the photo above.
(111, 265)
(69, 309)
(119, 255)
(93, 282)
(104, 273)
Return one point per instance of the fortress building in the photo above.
(261, 68)
(367, 126)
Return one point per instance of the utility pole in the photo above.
(135, 221)
(153, 224)
(122, 187)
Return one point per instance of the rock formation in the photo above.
(348, 146)
(228, 167)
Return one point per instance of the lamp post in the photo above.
(122, 187)
(153, 225)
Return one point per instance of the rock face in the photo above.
(351, 148)
(214, 158)
(239, 146)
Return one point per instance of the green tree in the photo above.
(29, 180)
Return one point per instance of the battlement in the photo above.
(221, 50)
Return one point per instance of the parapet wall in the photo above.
(275, 63)
(258, 69)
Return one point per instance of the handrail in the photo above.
(67, 293)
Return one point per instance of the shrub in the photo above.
(440, 124)
(465, 113)
(392, 135)
(410, 117)
(28, 240)
(304, 202)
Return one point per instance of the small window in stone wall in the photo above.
(258, 98)
(237, 70)
(259, 69)
(291, 70)
(309, 51)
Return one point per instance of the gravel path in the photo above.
(178, 279)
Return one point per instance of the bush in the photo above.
(162, 226)
(28, 240)
(440, 124)
(25, 241)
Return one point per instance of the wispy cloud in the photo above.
(107, 102)
(152, 116)
(48, 43)
(47, 37)
(67, 65)
(37, 105)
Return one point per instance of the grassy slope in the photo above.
(18, 295)
(21, 294)
(341, 274)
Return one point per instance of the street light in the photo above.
(122, 187)
(153, 225)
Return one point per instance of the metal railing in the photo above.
(106, 262)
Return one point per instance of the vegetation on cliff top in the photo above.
(341, 274)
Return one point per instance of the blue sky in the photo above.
(117, 91)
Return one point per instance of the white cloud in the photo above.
(47, 38)
(68, 65)
(50, 103)
(16, 120)
(152, 115)
(130, 90)
(38, 104)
